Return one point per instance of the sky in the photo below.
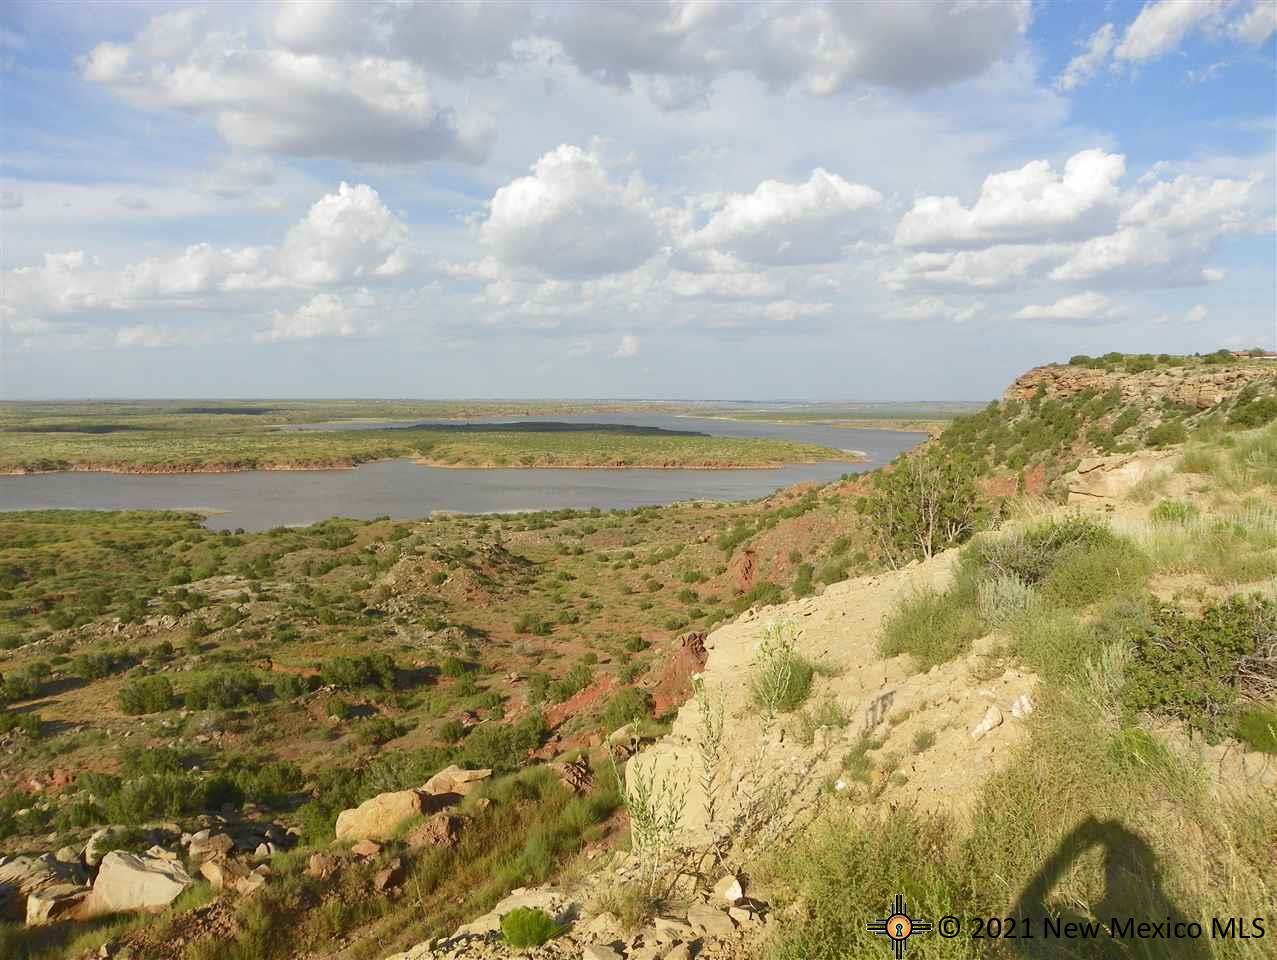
(686, 200)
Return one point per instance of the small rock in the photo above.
(599, 951)
(322, 865)
(366, 849)
(992, 718)
(391, 876)
(250, 884)
(67, 855)
(729, 889)
(1022, 707)
(680, 952)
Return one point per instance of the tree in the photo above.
(924, 504)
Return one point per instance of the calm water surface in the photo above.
(259, 500)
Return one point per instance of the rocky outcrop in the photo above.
(1112, 477)
(1197, 385)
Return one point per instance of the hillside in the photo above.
(929, 682)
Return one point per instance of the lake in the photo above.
(259, 500)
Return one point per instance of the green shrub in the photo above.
(368, 670)
(527, 927)
(781, 676)
(223, 690)
(924, 504)
(933, 627)
(1167, 434)
(626, 706)
(1188, 668)
(28, 723)
(450, 731)
(1257, 728)
(377, 730)
(146, 695)
(1173, 511)
(1085, 575)
(762, 594)
(1256, 413)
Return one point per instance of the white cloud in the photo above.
(628, 347)
(933, 308)
(1161, 26)
(569, 218)
(154, 336)
(1257, 24)
(324, 315)
(354, 106)
(1169, 229)
(10, 200)
(347, 237)
(1081, 308)
(826, 48)
(993, 268)
(239, 174)
(1032, 204)
(787, 222)
(1195, 314)
(1088, 63)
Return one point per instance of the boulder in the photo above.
(366, 849)
(213, 847)
(380, 817)
(455, 780)
(221, 874)
(710, 921)
(127, 882)
(22, 876)
(54, 902)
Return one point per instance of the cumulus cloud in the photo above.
(1088, 63)
(1031, 204)
(324, 315)
(1168, 229)
(355, 106)
(347, 237)
(822, 48)
(827, 48)
(1081, 308)
(570, 218)
(994, 268)
(628, 347)
(787, 222)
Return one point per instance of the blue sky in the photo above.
(686, 200)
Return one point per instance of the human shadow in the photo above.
(1133, 889)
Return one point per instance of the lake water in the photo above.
(259, 500)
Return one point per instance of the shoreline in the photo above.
(213, 469)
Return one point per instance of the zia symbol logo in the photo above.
(899, 926)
